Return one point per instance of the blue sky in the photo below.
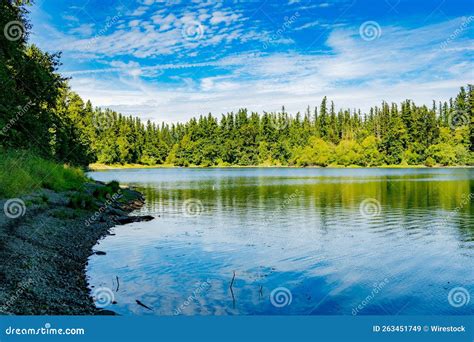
(169, 60)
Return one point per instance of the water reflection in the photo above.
(301, 229)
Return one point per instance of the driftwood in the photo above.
(232, 291)
(131, 219)
(141, 304)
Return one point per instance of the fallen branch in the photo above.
(232, 282)
(232, 291)
(141, 304)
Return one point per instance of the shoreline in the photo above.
(45, 250)
(104, 167)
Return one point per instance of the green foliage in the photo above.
(371, 155)
(41, 114)
(23, 172)
(430, 162)
(388, 135)
(348, 152)
(114, 186)
(147, 160)
(33, 113)
(318, 152)
(443, 154)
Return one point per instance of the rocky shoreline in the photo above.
(46, 239)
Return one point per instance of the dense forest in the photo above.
(39, 112)
(389, 134)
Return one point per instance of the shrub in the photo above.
(430, 162)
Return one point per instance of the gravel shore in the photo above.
(46, 239)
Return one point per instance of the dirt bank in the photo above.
(45, 241)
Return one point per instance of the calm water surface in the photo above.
(334, 241)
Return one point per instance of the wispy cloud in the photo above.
(83, 30)
(146, 64)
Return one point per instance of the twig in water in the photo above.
(232, 291)
(232, 282)
(261, 291)
(118, 284)
(141, 304)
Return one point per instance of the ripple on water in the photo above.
(301, 229)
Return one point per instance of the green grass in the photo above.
(22, 172)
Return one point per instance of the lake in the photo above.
(299, 241)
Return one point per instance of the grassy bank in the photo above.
(22, 172)
(45, 248)
(48, 233)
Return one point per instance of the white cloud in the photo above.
(140, 11)
(351, 71)
(160, 35)
(224, 17)
(70, 18)
(165, 23)
(85, 30)
(131, 68)
(308, 25)
(354, 73)
(134, 23)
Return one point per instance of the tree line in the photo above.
(40, 112)
(388, 134)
